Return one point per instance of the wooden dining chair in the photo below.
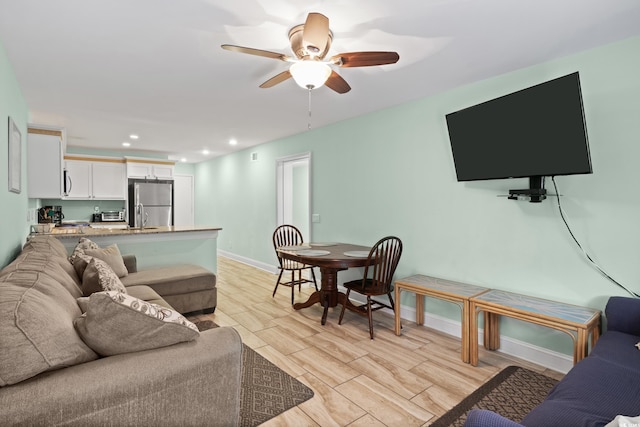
(383, 260)
(289, 235)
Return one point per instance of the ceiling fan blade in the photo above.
(257, 52)
(337, 83)
(279, 78)
(364, 59)
(316, 33)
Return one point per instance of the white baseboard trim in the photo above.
(549, 359)
(257, 264)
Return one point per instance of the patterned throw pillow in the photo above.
(83, 244)
(117, 323)
(98, 277)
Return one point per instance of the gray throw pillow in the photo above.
(111, 255)
(117, 323)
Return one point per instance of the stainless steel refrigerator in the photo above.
(150, 203)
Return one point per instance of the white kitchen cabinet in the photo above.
(45, 149)
(95, 180)
(150, 170)
(109, 181)
(77, 179)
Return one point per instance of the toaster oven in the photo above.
(109, 216)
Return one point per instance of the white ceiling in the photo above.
(104, 69)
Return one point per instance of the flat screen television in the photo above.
(534, 132)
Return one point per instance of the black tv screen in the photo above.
(538, 131)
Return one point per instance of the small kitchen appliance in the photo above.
(50, 214)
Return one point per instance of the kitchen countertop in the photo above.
(89, 231)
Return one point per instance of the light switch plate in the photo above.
(315, 218)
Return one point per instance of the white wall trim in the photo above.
(257, 264)
(550, 359)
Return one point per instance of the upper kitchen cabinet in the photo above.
(95, 179)
(149, 169)
(45, 149)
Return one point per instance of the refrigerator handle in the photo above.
(140, 215)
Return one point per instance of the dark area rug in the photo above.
(512, 393)
(266, 390)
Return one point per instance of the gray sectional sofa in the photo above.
(161, 370)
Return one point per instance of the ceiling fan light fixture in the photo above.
(310, 74)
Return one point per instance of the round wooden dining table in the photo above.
(329, 264)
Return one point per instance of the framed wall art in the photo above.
(15, 157)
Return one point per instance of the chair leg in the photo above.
(393, 307)
(314, 279)
(344, 307)
(293, 287)
(277, 283)
(370, 313)
(299, 280)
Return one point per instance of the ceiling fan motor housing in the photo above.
(307, 52)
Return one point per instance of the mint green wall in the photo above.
(14, 226)
(462, 231)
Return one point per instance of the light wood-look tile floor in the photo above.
(408, 380)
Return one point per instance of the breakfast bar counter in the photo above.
(153, 246)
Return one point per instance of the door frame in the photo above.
(283, 187)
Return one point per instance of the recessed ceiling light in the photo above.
(126, 144)
(205, 152)
(233, 141)
(133, 136)
(183, 160)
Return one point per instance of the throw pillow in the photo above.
(98, 277)
(83, 245)
(117, 323)
(79, 262)
(110, 255)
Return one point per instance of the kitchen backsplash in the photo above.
(82, 210)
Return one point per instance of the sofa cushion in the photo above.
(98, 276)
(619, 348)
(592, 393)
(46, 264)
(178, 279)
(36, 326)
(116, 323)
(46, 244)
(111, 255)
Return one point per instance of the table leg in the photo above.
(473, 335)
(396, 312)
(328, 295)
(466, 327)
(419, 309)
(491, 331)
(313, 299)
(582, 346)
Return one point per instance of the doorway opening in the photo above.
(294, 192)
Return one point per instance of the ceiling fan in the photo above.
(310, 43)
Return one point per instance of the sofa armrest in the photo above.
(484, 418)
(623, 315)
(185, 384)
(131, 263)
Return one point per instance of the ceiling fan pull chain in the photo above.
(309, 124)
